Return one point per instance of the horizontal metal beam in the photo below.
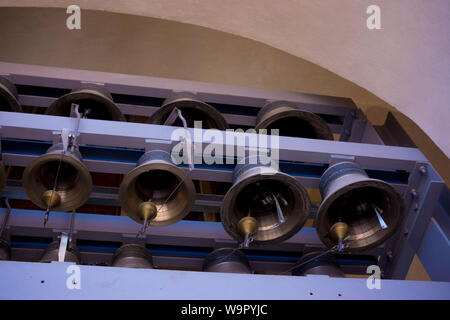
(147, 111)
(108, 196)
(160, 87)
(138, 136)
(123, 229)
(22, 280)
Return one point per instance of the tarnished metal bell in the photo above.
(292, 121)
(51, 253)
(156, 191)
(192, 108)
(277, 204)
(317, 263)
(132, 256)
(94, 101)
(360, 211)
(8, 96)
(227, 260)
(73, 184)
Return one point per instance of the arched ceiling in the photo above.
(406, 63)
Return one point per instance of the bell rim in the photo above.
(233, 192)
(319, 125)
(166, 108)
(63, 206)
(6, 93)
(71, 97)
(131, 176)
(368, 182)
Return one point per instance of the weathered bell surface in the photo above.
(276, 201)
(8, 96)
(51, 253)
(317, 263)
(94, 101)
(292, 121)
(360, 211)
(226, 260)
(192, 109)
(2, 176)
(132, 256)
(73, 183)
(5, 249)
(156, 183)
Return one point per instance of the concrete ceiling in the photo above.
(406, 63)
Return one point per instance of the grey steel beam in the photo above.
(425, 187)
(162, 88)
(138, 136)
(123, 229)
(22, 280)
(147, 111)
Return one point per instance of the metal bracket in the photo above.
(336, 158)
(63, 247)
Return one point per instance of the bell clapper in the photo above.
(339, 231)
(248, 227)
(148, 211)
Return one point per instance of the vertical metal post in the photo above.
(421, 199)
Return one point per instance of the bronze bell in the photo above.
(74, 182)
(95, 102)
(156, 191)
(227, 260)
(292, 121)
(317, 263)
(192, 109)
(51, 253)
(8, 96)
(132, 256)
(356, 210)
(263, 204)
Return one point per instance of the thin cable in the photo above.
(170, 195)
(296, 265)
(47, 212)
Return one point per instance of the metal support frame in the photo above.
(49, 281)
(115, 149)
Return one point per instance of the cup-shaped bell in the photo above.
(227, 260)
(277, 202)
(8, 96)
(94, 101)
(51, 253)
(132, 256)
(317, 263)
(292, 121)
(156, 191)
(192, 109)
(73, 180)
(360, 211)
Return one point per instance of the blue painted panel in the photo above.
(434, 253)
